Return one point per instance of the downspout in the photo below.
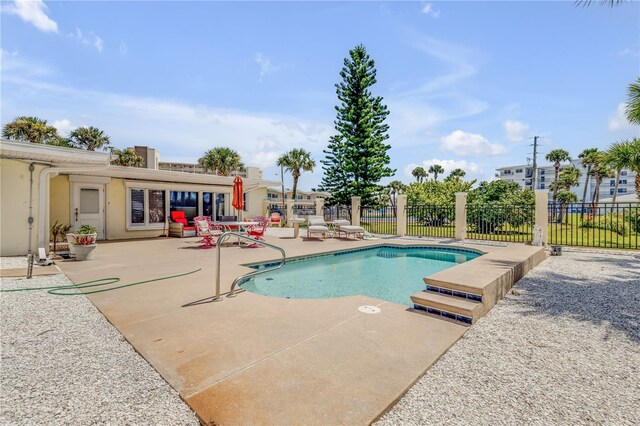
(30, 220)
(43, 205)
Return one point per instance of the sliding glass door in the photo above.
(185, 201)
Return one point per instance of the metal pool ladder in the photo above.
(221, 239)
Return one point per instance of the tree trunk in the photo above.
(615, 188)
(586, 185)
(555, 186)
(295, 186)
(638, 183)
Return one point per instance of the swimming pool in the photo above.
(386, 272)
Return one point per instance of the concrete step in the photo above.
(448, 306)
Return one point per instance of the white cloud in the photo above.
(515, 130)
(618, 120)
(89, 39)
(177, 129)
(64, 126)
(124, 49)
(628, 52)
(33, 12)
(470, 144)
(429, 10)
(473, 170)
(266, 67)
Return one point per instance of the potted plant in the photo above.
(58, 230)
(84, 242)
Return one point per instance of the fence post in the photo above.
(355, 211)
(290, 212)
(542, 213)
(265, 207)
(461, 216)
(401, 215)
(320, 207)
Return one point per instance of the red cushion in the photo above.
(176, 215)
(182, 221)
(189, 228)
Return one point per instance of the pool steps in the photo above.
(467, 292)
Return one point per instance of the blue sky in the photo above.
(467, 83)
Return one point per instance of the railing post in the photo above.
(320, 207)
(542, 213)
(355, 211)
(290, 213)
(401, 215)
(461, 216)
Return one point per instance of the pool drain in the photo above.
(367, 309)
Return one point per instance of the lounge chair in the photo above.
(317, 225)
(345, 227)
(179, 226)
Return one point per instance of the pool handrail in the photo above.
(219, 243)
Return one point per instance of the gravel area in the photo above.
(562, 348)
(64, 364)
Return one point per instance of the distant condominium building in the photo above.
(523, 176)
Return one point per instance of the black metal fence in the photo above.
(379, 220)
(605, 225)
(337, 212)
(431, 220)
(500, 222)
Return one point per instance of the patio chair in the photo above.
(317, 225)
(207, 231)
(275, 218)
(345, 227)
(179, 226)
(257, 231)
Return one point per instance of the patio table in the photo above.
(296, 225)
(226, 226)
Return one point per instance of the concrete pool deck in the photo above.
(262, 360)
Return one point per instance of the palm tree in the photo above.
(599, 171)
(30, 129)
(436, 169)
(587, 159)
(565, 197)
(126, 157)
(395, 187)
(557, 156)
(567, 178)
(633, 103)
(221, 160)
(89, 138)
(296, 161)
(618, 156)
(457, 173)
(420, 174)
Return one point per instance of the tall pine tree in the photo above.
(356, 158)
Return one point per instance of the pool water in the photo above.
(384, 272)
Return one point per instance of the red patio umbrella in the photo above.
(238, 200)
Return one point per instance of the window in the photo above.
(157, 206)
(623, 173)
(308, 197)
(610, 191)
(137, 206)
(518, 170)
(612, 182)
(623, 181)
(542, 179)
(147, 208)
(220, 205)
(622, 190)
(185, 201)
(542, 186)
(506, 172)
(207, 204)
(244, 201)
(541, 172)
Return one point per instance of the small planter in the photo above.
(85, 252)
(83, 245)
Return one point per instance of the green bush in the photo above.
(608, 222)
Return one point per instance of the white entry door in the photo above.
(87, 206)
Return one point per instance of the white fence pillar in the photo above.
(401, 215)
(461, 216)
(355, 211)
(320, 207)
(542, 213)
(265, 207)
